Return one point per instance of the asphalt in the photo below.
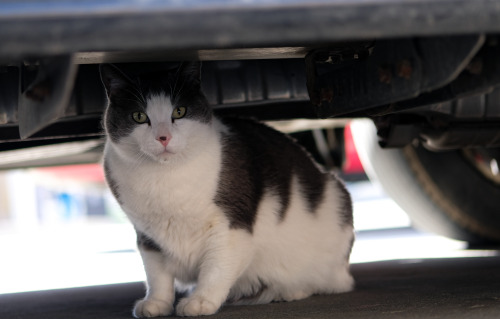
(420, 288)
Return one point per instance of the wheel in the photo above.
(455, 194)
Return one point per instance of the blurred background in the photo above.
(60, 227)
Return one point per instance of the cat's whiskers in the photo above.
(137, 94)
(139, 159)
(141, 93)
(132, 100)
(128, 143)
(180, 90)
(171, 89)
(176, 76)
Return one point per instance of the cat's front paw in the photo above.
(196, 306)
(147, 308)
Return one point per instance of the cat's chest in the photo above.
(176, 191)
(174, 208)
(153, 193)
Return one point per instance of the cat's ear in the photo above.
(114, 79)
(190, 72)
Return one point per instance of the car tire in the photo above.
(442, 192)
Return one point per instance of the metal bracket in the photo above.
(480, 75)
(388, 72)
(9, 79)
(46, 98)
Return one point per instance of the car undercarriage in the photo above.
(426, 73)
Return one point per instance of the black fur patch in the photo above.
(311, 180)
(124, 99)
(346, 207)
(257, 159)
(187, 92)
(146, 243)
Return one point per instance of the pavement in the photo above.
(409, 288)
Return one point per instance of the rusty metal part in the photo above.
(387, 72)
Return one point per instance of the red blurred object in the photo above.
(352, 163)
(84, 172)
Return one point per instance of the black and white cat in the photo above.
(229, 204)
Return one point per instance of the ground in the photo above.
(413, 288)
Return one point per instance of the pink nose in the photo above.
(163, 140)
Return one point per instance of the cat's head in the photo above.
(159, 115)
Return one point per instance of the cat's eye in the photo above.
(140, 117)
(178, 112)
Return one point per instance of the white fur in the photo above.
(168, 194)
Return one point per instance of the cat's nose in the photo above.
(163, 140)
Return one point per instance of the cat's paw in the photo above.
(343, 283)
(295, 295)
(196, 306)
(147, 308)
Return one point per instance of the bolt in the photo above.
(475, 67)
(404, 69)
(384, 74)
(39, 92)
(327, 95)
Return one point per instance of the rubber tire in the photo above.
(441, 192)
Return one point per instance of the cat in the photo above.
(229, 204)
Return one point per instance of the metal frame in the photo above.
(399, 56)
(50, 27)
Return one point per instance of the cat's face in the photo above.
(157, 116)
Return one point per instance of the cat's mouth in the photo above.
(160, 156)
(165, 155)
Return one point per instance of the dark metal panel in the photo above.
(66, 129)
(466, 135)
(235, 85)
(9, 87)
(471, 121)
(389, 71)
(481, 75)
(47, 27)
(471, 107)
(47, 98)
(233, 91)
(191, 54)
(493, 104)
(253, 76)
